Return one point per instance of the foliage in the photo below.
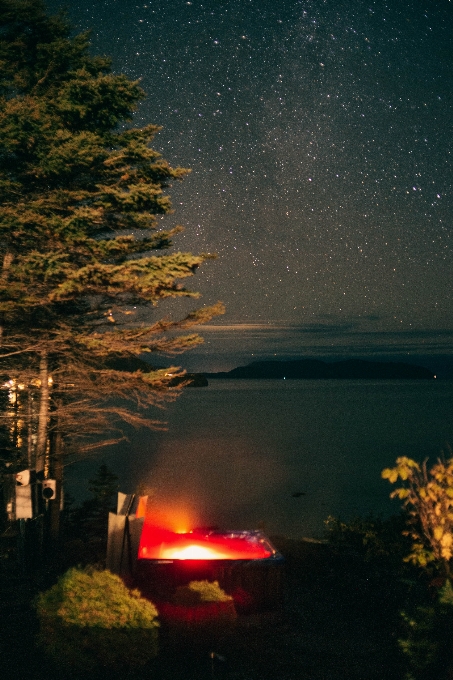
(104, 487)
(198, 592)
(84, 257)
(86, 526)
(427, 497)
(427, 644)
(91, 518)
(373, 538)
(200, 615)
(90, 619)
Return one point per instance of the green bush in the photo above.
(377, 541)
(89, 619)
(427, 644)
(198, 592)
(200, 614)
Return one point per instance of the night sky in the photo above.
(319, 137)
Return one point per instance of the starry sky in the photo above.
(319, 137)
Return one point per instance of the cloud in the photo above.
(238, 327)
(353, 329)
(355, 337)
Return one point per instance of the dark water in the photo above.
(282, 454)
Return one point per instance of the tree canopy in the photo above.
(82, 254)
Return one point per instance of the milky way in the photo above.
(319, 137)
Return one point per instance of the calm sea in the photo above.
(282, 455)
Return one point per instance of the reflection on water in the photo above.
(282, 455)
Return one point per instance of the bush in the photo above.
(89, 619)
(427, 644)
(198, 592)
(427, 496)
(200, 613)
(379, 542)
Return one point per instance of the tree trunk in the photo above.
(43, 416)
(30, 445)
(56, 472)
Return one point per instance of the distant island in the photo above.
(314, 369)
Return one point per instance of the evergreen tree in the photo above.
(89, 522)
(82, 255)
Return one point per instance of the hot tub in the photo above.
(245, 563)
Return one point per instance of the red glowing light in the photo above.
(163, 544)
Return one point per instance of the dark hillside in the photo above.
(314, 369)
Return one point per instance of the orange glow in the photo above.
(172, 517)
(192, 552)
(164, 544)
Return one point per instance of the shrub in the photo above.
(198, 592)
(200, 613)
(427, 496)
(427, 644)
(89, 619)
(377, 541)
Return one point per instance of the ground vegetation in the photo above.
(90, 621)
(340, 619)
(427, 497)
